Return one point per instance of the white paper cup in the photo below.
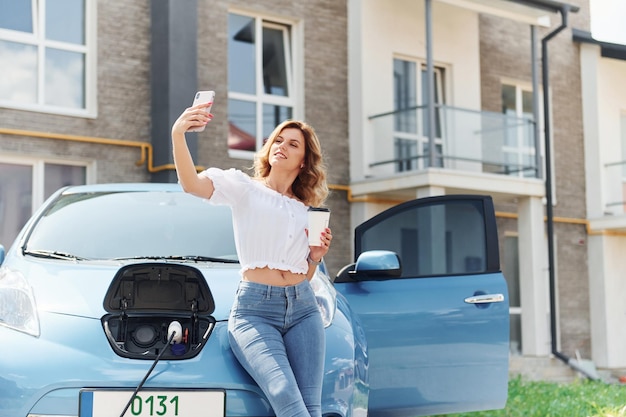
(318, 222)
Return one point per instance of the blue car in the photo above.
(97, 279)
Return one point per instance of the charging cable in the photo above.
(170, 338)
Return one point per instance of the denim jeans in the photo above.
(277, 335)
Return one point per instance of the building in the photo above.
(91, 98)
(603, 70)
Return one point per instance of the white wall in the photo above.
(589, 62)
(615, 285)
(611, 105)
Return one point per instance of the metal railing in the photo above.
(465, 139)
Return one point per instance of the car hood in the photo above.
(80, 288)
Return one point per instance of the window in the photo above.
(46, 58)
(411, 127)
(260, 80)
(435, 239)
(25, 185)
(133, 214)
(510, 267)
(518, 149)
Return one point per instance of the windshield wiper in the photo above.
(200, 258)
(54, 254)
(195, 258)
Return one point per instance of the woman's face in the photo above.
(288, 150)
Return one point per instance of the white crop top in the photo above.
(269, 227)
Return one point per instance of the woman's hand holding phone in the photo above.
(203, 97)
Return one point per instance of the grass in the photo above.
(582, 398)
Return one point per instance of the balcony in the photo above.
(474, 151)
(465, 140)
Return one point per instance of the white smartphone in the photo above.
(203, 97)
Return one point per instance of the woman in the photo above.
(275, 328)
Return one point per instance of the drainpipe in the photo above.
(430, 83)
(549, 212)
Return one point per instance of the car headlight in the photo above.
(325, 295)
(17, 303)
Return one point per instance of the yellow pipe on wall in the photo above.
(145, 147)
(568, 220)
(147, 152)
(353, 199)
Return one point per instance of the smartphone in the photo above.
(203, 97)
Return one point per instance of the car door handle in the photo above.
(485, 298)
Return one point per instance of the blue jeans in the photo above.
(277, 335)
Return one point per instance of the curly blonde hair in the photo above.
(310, 186)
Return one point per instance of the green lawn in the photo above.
(582, 398)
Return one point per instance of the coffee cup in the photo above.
(318, 222)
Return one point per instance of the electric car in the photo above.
(98, 278)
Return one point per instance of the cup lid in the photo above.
(319, 209)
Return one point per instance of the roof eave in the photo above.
(550, 5)
(607, 49)
(532, 12)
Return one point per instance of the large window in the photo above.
(261, 91)
(411, 127)
(24, 185)
(46, 57)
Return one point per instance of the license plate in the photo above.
(152, 403)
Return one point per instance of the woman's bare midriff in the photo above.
(275, 277)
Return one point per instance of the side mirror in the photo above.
(374, 265)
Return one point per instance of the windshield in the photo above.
(133, 224)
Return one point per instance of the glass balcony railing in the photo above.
(615, 183)
(467, 140)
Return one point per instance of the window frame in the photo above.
(521, 150)
(37, 39)
(510, 266)
(293, 34)
(420, 137)
(38, 166)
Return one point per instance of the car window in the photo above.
(132, 224)
(431, 239)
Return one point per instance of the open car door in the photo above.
(428, 291)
